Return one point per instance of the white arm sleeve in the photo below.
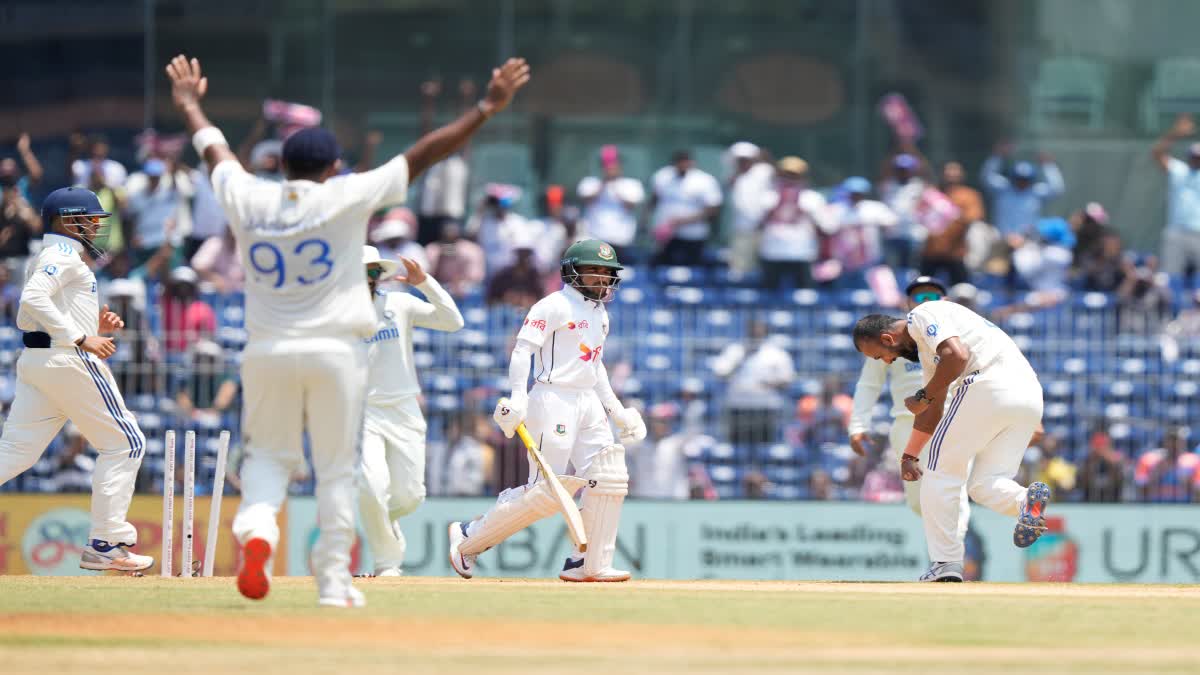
(603, 389)
(440, 313)
(518, 369)
(43, 284)
(866, 395)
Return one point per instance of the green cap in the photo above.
(591, 252)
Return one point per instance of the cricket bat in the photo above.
(566, 502)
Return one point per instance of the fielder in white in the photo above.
(308, 311)
(903, 377)
(567, 415)
(393, 442)
(979, 439)
(61, 376)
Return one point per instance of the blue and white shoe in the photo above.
(573, 571)
(463, 564)
(1031, 521)
(943, 571)
(101, 555)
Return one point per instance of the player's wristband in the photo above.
(909, 457)
(79, 342)
(206, 138)
(485, 109)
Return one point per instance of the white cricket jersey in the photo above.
(567, 332)
(392, 374)
(301, 245)
(903, 377)
(59, 297)
(993, 352)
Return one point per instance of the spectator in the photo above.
(685, 203)
(217, 262)
(158, 207)
(470, 460)
(1168, 473)
(456, 263)
(825, 417)
(496, 227)
(967, 295)
(857, 224)
(1102, 475)
(19, 222)
(820, 486)
(520, 284)
(796, 216)
(1104, 269)
(1044, 265)
(393, 236)
(558, 229)
(1090, 227)
(755, 485)
(882, 484)
(1186, 326)
(109, 171)
(610, 204)
(1019, 197)
(751, 179)
(208, 219)
(901, 188)
(137, 363)
(1143, 299)
(1052, 469)
(207, 388)
(660, 464)
(10, 297)
(114, 238)
(1181, 239)
(33, 168)
(74, 465)
(945, 252)
(443, 189)
(185, 318)
(758, 372)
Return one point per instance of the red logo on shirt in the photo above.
(539, 324)
(589, 353)
(571, 325)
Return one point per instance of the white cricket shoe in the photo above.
(389, 572)
(943, 571)
(101, 555)
(350, 598)
(463, 564)
(573, 571)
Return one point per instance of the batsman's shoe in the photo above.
(943, 571)
(389, 572)
(253, 580)
(573, 571)
(463, 564)
(1031, 521)
(101, 555)
(350, 598)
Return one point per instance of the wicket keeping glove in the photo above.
(510, 413)
(630, 422)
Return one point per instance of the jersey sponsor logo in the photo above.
(910, 366)
(383, 334)
(560, 429)
(539, 324)
(931, 330)
(582, 325)
(589, 353)
(50, 269)
(606, 252)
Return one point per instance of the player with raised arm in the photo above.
(567, 415)
(903, 377)
(62, 376)
(393, 444)
(308, 310)
(979, 438)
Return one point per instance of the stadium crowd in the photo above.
(746, 417)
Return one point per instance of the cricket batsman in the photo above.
(393, 441)
(308, 312)
(61, 376)
(567, 413)
(903, 377)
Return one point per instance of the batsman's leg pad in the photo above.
(606, 487)
(516, 509)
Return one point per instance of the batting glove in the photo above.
(509, 414)
(630, 422)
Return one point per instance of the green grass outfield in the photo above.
(485, 626)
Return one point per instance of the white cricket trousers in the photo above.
(64, 383)
(902, 428)
(567, 424)
(979, 443)
(393, 476)
(290, 385)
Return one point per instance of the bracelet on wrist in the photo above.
(485, 108)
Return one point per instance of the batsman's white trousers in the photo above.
(64, 383)
(567, 424)
(393, 476)
(979, 443)
(901, 431)
(290, 385)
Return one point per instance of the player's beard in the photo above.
(908, 352)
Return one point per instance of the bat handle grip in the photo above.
(524, 434)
